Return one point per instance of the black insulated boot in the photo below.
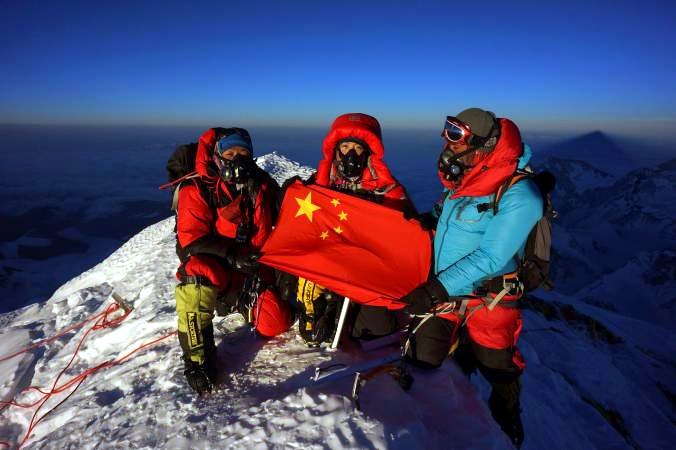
(199, 377)
(504, 406)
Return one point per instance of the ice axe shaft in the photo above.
(356, 388)
(122, 302)
(397, 371)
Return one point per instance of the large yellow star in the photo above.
(335, 202)
(342, 215)
(338, 229)
(306, 207)
(324, 235)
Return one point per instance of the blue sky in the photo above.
(573, 65)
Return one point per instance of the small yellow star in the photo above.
(342, 215)
(306, 207)
(324, 235)
(335, 202)
(338, 229)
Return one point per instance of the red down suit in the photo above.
(196, 219)
(208, 214)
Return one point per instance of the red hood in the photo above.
(205, 151)
(367, 129)
(486, 177)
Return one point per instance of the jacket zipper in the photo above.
(443, 238)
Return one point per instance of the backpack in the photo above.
(181, 167)
(181, 163)
(533, 268)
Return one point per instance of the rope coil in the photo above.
(101, 321)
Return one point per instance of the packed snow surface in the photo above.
(595, 378)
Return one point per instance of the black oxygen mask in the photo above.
(236, 170)
(351, 165)
(451, 166)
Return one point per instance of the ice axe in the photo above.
(122, 302)
(397, 371)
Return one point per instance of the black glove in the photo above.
(410, 213)
(247, 264)
(428, 221)
(289, 181)
(422, 299)
(287, 286)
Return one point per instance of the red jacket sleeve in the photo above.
(194, 217)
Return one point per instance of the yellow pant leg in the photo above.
(195, 306)
(308, 292)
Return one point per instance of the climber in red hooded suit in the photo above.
(223, 217)
(352, 163)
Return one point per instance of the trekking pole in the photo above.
(341, 323)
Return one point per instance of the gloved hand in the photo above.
(287, 285)
(288, 182)
(428, 221)
(422, 299)
(410, 213)
(247, 264)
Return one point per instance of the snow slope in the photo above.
(615, 239)
(596, 378)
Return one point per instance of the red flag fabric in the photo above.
(359, 249)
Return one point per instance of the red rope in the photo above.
(102, 321)
(56, 336)
(178, 180)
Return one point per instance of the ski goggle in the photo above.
(456, 131)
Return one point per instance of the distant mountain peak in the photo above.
(281, 168)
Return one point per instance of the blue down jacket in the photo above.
(472, 246)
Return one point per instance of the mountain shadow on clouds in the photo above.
(597, 149)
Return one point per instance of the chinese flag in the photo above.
(359, 249)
